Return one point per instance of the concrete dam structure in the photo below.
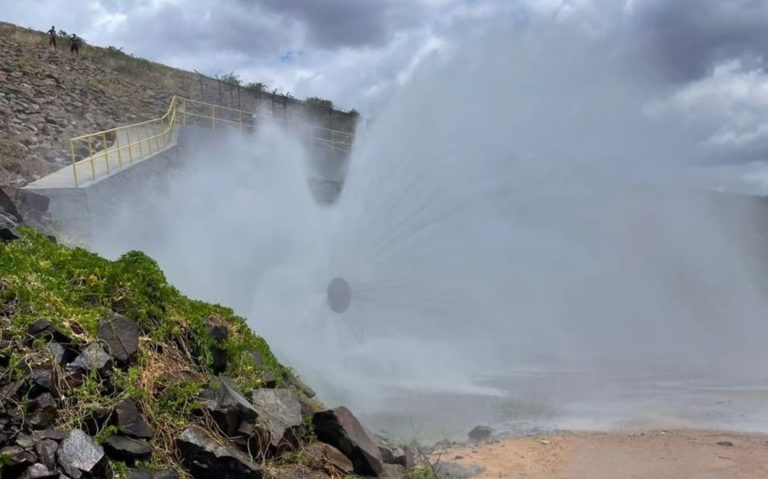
(109, 167)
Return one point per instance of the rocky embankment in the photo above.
(107, 371)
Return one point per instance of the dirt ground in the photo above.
(620, 455)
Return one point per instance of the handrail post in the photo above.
(106, 154)
(117, 145)
(141, 144)
(74, 162)
(157, 141)
(130, 144)
(90, 154)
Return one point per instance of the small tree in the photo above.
(321, 102)
(231, 78)
(257, 87)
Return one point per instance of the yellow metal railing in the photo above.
(97, 154)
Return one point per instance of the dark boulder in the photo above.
(46, 452)
(44, 411)
(96, 420)
(60, 353)
(129, 421)
(219, 333)
(16, 461)
(8, 206)
(325, 456)
(78, 455)
(480, 433)
(43, 328)
(121, 335)
(279, 411)
(93, 358)
(231, 407)
(8, 225)
(42, 379)
(126, 449)
(33, 203)
(207, 459)
(341, 429)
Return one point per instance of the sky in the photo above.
(711, 53)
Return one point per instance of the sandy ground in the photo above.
(620, 455)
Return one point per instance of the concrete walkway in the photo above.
(135, 147)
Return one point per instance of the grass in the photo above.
(75, 289)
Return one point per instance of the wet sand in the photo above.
(618, 455)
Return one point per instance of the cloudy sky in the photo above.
(711, 52)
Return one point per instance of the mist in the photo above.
(523, 202)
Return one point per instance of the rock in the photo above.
(34, 202)
(16, 461)
(48, 434)
(129, 421)
(121, 335)
(10, 391)
(9, 207)
(408, 458)
(93, 358)
(341, 429)
(39, 471)
(46, 452)
(387, 455)
(46, 329)
(8, 228)
(95, 421)
(480, 433)
(306, 390)
(325, 454)
(42, 380)
(61, 354)
(126, 449)
(725, 443)
(207, 459)
(280, 411)
(78, 454)
(231, 407)
(44, 411)
(25, 441)
(219, 333)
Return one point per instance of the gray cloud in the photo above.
(687, 37)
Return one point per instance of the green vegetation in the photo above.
(75, 289)
(120, 61)
(257, 87)
(321, 102)
(422, 472)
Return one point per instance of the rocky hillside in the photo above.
(106, 370)
(47, 97)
